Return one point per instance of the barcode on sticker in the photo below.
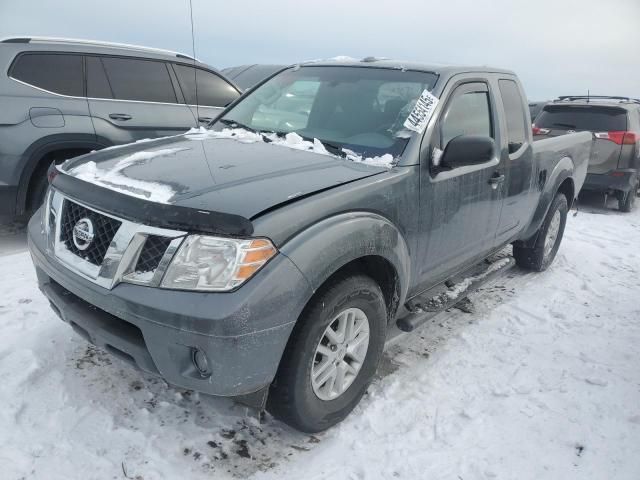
(421, 113)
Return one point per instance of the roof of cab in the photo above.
(374, 62)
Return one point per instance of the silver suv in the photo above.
(62, 98)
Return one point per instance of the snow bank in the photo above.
(113, 179)
(290, 140)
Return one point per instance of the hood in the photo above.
(217, 174)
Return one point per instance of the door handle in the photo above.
(205, 119)
(120, 116)
(496, 180)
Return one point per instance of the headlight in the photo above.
(215, 263)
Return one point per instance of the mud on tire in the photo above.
(292, 398)
(541, 255)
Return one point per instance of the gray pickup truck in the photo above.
(265, 257)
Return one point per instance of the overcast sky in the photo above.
(556, 46)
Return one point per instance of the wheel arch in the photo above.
(358, 242)
(560, 180)
(39, 154)
(568, 189)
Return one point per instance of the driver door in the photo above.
(460, 207)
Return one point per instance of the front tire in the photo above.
(549, 236)
(332, 355)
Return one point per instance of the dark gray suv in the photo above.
(615, 125)
(62, 98)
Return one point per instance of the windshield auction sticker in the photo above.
(421, 113)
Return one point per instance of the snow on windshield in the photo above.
(113, 179)
(290, 140)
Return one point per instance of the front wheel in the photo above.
(549, 237)
(332, 355)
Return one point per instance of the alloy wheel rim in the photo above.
(552, 234)
(340, 354)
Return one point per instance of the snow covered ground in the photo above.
(541, 382)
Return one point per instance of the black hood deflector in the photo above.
(150, 213)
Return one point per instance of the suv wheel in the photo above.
(38, 190)
(332, 355)
(541, 255)
(626, 201)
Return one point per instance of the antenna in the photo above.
(588, 95)
(195, 70)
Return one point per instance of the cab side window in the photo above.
(468, 113)
(517, 120)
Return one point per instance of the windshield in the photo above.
(345, 108)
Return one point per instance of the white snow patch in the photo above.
(290, 140)
(342, 58)
(113, 179)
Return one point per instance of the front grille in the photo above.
(104, 229)
(152, 252)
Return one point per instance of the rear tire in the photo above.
(299, 396)
(549, 236)
(626, 201)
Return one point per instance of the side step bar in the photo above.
(444, 296)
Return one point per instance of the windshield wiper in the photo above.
(568, 125)
(236, 124)
(331, 147)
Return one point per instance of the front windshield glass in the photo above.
(346, 108)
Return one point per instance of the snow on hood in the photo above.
(113, 179)
(290, 140)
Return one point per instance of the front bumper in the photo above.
(623, 181)
(243, 333)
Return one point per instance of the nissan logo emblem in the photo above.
(83, 233)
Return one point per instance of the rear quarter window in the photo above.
(517, 121)
(54, 72)
(579, 117)
(213, 91)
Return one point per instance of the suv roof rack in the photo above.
(77, 41)
(568, 98)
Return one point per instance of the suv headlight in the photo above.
(215, 263)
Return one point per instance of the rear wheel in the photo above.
(332, 355)
(549, 237)
(627, 200)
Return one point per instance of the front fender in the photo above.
(322, 249)
(563, 169)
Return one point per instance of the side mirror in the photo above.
(466, 150)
